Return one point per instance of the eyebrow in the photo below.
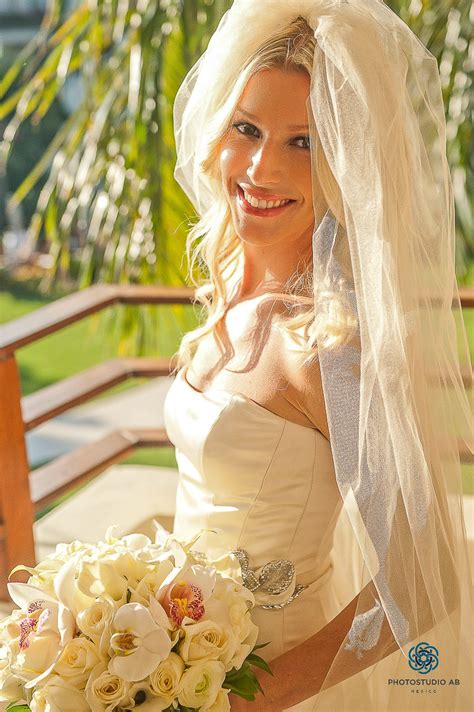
(292, 127)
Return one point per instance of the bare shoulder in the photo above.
(305, 389)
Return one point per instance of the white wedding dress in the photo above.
(265, 485)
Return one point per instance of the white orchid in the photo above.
(47, 625)
(139, 643)
(184, 592)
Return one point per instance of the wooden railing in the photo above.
(23, 493)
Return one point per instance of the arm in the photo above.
(300, 672)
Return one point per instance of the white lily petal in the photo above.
(66, 624)
(136, 541)
(112, 534)
(22, 594)
(65, 585)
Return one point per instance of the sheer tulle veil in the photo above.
(397, 386)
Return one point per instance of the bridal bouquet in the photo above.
(128, 623)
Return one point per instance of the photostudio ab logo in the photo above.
(423, 658)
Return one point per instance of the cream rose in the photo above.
(77, 659)
(206, 640)
(106, 691)
(164, 681)
(200, 684)
(221, 703)
(95, 622)
(94, 619)
(57, 696)
(244, 649)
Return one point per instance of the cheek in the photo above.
(232, 160)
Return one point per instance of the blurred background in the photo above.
(87, 197)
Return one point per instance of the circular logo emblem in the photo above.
(423, 658)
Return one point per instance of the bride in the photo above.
(310, 139)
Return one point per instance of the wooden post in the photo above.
(16, 509)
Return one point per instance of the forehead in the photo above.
(277, 97)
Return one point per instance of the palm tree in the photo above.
(110, 209)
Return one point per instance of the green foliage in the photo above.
(445, 28)
(244, 682)
(109, 208)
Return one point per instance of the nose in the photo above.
(266, 166)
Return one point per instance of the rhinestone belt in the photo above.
(274, 578)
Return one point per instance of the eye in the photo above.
(241, 127)
(307, 141)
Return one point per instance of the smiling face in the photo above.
(265, 156)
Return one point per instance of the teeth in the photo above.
(263, 204)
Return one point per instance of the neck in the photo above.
(268, 268)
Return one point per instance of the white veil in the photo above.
(396, 404)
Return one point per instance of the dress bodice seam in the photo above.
(304, 508)
(262, 482)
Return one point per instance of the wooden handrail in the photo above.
(47, 483)
(67, 310)
(466, 296)
(57, 398)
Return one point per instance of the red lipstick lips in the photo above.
(260, 212)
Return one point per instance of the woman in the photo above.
(307, 433)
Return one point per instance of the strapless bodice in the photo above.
(263, 483)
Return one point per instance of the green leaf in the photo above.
(17, 708)
(261, 645)
(259, 662)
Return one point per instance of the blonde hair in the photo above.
(213, 247)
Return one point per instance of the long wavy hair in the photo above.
(214, 250)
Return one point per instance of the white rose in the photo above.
(240, 617)
(221, 703)
(164, 681)
(206, 640)
(77, 659)
(57, 696)
(245, 648)
(105, 691)
(94, 619)
(95, 622)
(200, 684)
